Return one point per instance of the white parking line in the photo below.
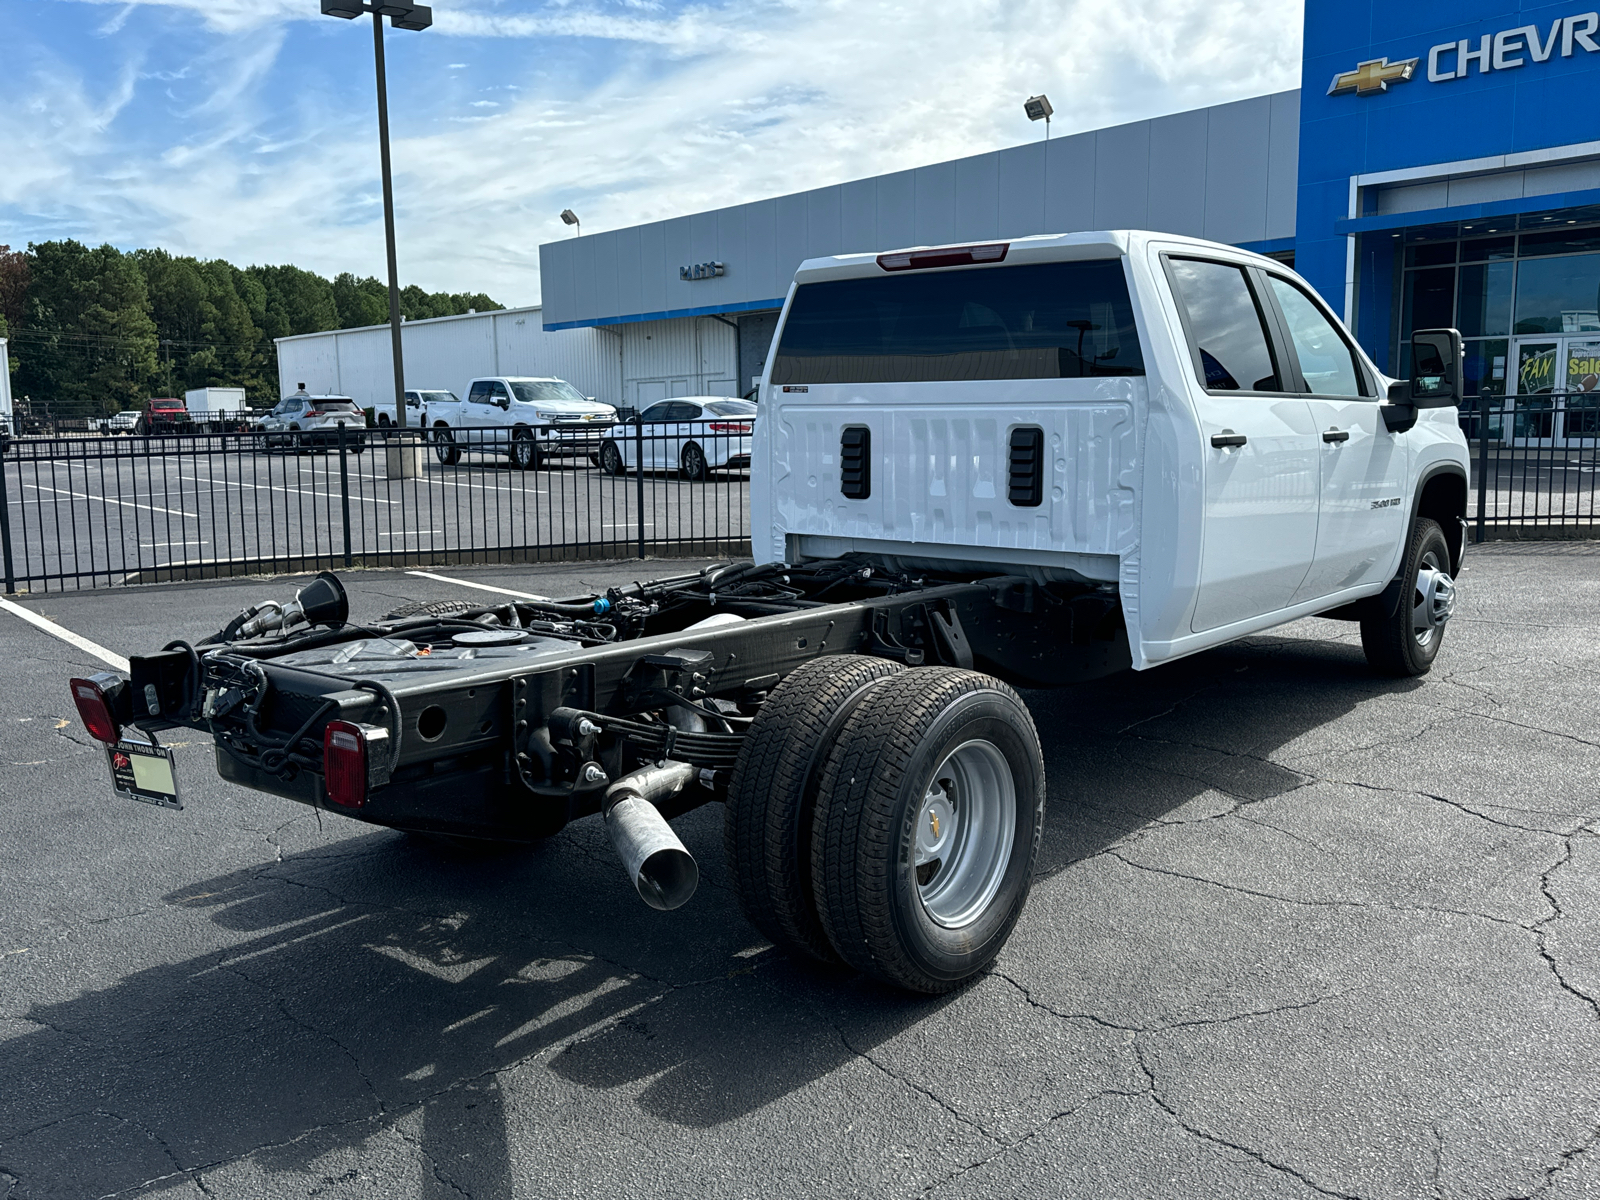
(66, 635)
(264, 487)
(482, 587)
(177, 512)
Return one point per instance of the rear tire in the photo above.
(1404, 645)
(692, 463)
(768, 830)
(926, 827)
(444, 446)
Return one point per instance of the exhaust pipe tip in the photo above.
(667, 879)
(663, 872)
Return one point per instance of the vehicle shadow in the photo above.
(380, 987)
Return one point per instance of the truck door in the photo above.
(1259, 447)
(1361, 518)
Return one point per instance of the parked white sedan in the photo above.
(693, 435)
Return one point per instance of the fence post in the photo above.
(1483, 458)
(638, 472)
(5, 528)
(344, 491)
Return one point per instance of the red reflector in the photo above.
(94, 711)
(344, 764)
(944, 256)
(724, 427)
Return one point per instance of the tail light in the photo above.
(94, 707)
(944, 256)
(725, 427)
(344, 763)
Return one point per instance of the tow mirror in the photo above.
(1436, 368)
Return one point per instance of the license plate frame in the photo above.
(144, 772)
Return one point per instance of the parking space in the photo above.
(1295, 931)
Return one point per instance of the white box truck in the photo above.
(214, 400)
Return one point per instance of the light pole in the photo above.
(1037, 107)
(571, 218)
(402, 15)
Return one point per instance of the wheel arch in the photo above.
(1442, 496)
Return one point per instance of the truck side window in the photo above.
(1226, 325)
(479, 393)
(1327, 363)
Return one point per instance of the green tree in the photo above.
(90, 343)
(360, 301)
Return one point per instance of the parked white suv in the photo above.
(1183, 425)
(526, 419)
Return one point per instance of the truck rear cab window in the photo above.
(1327, 363)
(1227, 329)
(1059, 320)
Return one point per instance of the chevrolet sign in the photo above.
(1374, 75)
(1503, 51)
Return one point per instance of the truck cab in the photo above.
(525, 418)
(1182, 423)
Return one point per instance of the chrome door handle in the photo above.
(1336, 435)
(1228, 438)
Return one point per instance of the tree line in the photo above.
(95, 330)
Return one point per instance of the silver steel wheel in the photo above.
(1433, 601)
(965, 831)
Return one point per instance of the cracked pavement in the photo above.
(1296, 931)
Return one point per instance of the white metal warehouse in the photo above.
(446, 352)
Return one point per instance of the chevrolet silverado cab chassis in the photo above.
(1021, 463)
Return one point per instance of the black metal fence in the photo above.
(96, 511)
(1535, 465)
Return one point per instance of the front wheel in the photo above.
(611, 459)
(1405, 643)
(926, 827)
(445, 448)
(524, 452)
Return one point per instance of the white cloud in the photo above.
(708, 106)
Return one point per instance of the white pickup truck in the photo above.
(1024, 463)
(1181, 423)
(525, 419)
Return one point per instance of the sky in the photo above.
(247, 129)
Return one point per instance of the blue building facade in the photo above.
(1449, 174)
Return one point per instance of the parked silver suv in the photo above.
(305, 422)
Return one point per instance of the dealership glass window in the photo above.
(1558, 295)
(1430, 298)
(1483, 299)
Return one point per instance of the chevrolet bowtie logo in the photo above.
(1374, 75)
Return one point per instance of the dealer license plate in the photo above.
(145, 773)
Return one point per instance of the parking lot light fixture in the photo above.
(402, 15)
(571, 218)
(1037, 107)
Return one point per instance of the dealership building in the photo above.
(1439, 166)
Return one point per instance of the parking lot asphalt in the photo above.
(1296, 931)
